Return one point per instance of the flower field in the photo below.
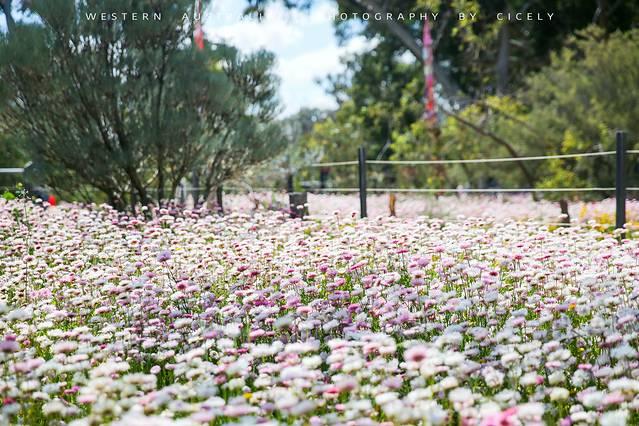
(195, 319)
(501, 207)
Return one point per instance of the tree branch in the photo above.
(450, 88)
(5, 5)
(527, 175)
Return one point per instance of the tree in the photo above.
(123, 106)
(380, 99)
(576, 104)
(572, 106)
(250, 135)
(12, 157)
(290, 168)
(485, 57)
(298, 153)
(6, 8)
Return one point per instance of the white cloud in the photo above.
(299, 74)
(323, 13)
(406, 58)
(303, 42)
(250, 34)
(253, 36)
(278, 29)
(319, 62)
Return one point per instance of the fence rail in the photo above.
(336, 163)
(473, 161)
(492, 160)
(470, 190)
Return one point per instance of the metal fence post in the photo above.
(289, 182)
(219, 198)
(298, 204)
(620, 181)
(361, 159)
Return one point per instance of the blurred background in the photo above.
(247, 100)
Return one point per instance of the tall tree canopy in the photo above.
(129, 107)
(6, 7)
(484, 55)
(483, 67)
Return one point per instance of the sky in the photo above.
(304, 44)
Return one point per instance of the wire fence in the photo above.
(620, 187)
(473, 161)
(469, 190)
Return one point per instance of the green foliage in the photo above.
(573, 105)
(300, 151)
(8, 196)
(381, 99)
(248, 134)
(577, 102)
(123, 106)
(380, 94)
(484, 55)
(503, 117)
(13, 156)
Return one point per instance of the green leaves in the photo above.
(583, 96)
(8, 196)
(123, 105)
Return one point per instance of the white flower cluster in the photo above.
(193, 319)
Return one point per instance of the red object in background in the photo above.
(198, 34)
(51, 200)
(430, 106)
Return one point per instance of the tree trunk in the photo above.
(116, 202)
(466, 170)
(404, 36)
(503, 58)
(160, 143)
(134, 202)
(195, 182)
(289, 182)
(563, 205)
(136, 183)
(174, 186)
(181, 195)
(5, 5)
(392, 199)
(219, 191)
(161, 182)
(144, 196)
(323, 177)
(601, 14)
